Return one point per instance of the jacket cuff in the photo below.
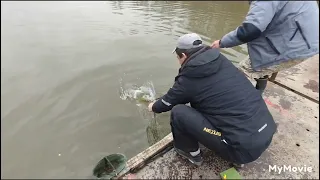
(159, 107)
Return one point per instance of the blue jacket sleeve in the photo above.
(257, 20)
(177, 94)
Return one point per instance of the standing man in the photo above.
(279, 35)
(227, 114)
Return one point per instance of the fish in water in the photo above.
(142, 94)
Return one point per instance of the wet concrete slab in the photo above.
(303, 77)
(295, 146)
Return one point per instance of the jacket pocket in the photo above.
(295, 40)
(294, 34)
(272, 46)
(302, 34)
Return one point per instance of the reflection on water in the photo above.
(60, 68)
(211, 20)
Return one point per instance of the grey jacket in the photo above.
(277, 31)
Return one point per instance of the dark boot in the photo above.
(262, 83)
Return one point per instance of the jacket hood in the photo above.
(204, 62)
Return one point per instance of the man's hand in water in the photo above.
(216, 44)
(150, 106)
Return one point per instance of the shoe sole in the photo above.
(193, 162)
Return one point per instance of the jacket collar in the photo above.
(193, 56)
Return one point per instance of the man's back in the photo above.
(226, 97)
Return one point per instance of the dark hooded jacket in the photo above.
(221, 93)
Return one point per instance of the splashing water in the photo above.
(140, 95)
(133, 92)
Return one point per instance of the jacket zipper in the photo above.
(272, 46)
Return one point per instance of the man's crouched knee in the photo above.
(178, 112)
(178, 109)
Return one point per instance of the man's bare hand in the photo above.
(216, 44)
(150, 106)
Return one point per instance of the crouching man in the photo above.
(227, 114)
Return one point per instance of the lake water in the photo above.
(65, 65)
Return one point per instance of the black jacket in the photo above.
(217, 89)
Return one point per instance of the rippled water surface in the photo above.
(63, 65)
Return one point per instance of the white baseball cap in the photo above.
(188, 41)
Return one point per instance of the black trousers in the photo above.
(189, 128)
